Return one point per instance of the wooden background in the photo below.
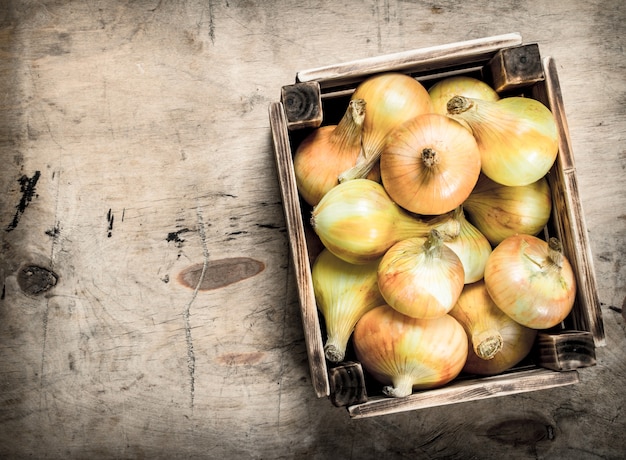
(136, 165)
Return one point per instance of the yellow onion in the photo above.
(517, 136)
(421, 277)
(328, 151)
(500, 211)
(407, 354)
(392, 98)
(343, 292)
(471, 246)
(459, 85)
(496, 342)
(357, 221)
(531, 281)
(430, 164)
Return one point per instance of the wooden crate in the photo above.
(319, 96)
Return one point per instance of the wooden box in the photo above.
(319, 96)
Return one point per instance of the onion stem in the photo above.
(402, 386)
(430, 157)
(333, 351)
(487, 344)
(459, 104)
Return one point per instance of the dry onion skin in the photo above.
(343, 292)
(421, 277)
(517, 136)
(459, 85)
(500, 211)
(358, 221)
(407, 354)
(328, 151)
(531, 280)
(392, 98)
(430, 164)
(496, 342)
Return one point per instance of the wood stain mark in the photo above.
(35, 280)
(27, 188)
(220, 273)
(175, 237)
(211, 23)
(54, 231)
(521, 432)
(240, 359)
(110, 219)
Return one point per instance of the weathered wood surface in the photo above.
(158, 318)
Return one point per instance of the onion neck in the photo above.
(555, 253)
(487, 344)
(349, 130)
(433, 244)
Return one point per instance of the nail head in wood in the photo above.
(516, 67)
(303, 105)
(347, 384)
(565, 351)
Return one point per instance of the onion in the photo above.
(430, 164)
(421, 277)
(496, 342)
(460, 85)
(471, 246)
(517, 136)
(327, 151)
(357, 221)
(499, 211)
(392, 98)
(531, 281)
(343, 292)
(407, 353)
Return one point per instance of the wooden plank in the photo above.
(420, 60)
(569, 218)
(299, 251)
(463, 391)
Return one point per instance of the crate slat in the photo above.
(470, 390)
(299, 251)
(568, 216)
(414, 61)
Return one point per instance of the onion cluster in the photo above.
(428, 205)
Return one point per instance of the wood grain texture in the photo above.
(146, 125)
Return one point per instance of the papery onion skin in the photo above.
(407, 353)
(517, 136)
(430, 164)
(496, 341)
(343, 292)
(421, 277)
(471, 246)
(392, 98)
(357, 221)
(459, 85)
(531, 281)
(500, 211)
(328, 151)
